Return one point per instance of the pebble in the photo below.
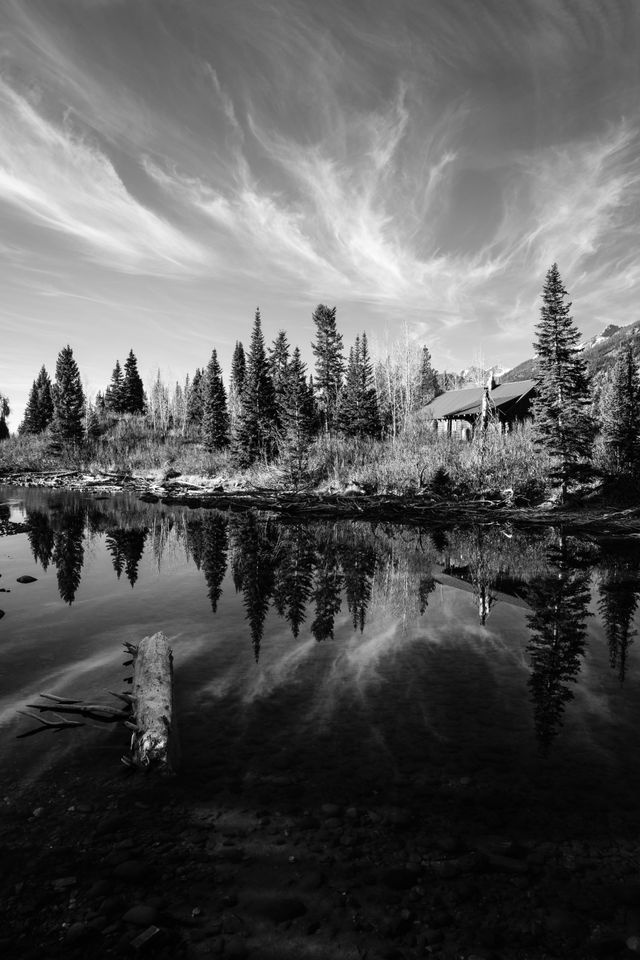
(141, 915)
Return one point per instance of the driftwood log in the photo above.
(148, 711)
(154, 741)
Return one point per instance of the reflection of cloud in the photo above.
(60, 180)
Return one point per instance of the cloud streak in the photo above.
(60, 180)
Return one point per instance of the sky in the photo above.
(167, 166)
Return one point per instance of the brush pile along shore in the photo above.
(592, 514)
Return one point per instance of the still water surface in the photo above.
(344, 660)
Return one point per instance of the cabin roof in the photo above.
(467, 402)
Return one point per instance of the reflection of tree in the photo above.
(126, 548)
(358, 567)
(559, 602)
(253, 571)
(68, 554)
(294, 562)
(40, 537)
(426, 586)
(194, 541)
(619, 592)
(327, 589)
(214, 555)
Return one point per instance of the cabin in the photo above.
(458, 413)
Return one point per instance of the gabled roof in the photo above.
(467, 402)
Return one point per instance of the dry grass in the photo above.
(416, 461)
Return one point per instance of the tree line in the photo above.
(273, 407)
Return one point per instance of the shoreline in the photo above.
(350, 503)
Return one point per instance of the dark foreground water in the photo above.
(341, 657)
(398, 742)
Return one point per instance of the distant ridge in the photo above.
(600, 352)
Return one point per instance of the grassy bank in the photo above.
(415, 461)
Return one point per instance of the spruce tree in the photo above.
(427, 387)
(215, 418)
(621, 418)
(236, 382)
(132, 387)
(562, 423)
(254, 433)
(296, 416)
(5, 410)
(327, 350)
(68, 401)
(39, 410)
(195, 400)
(114, 394)
(358, 409)
(278, 363)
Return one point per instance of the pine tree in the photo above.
(133, 400)
(215, 419)
(562, 423)
(5, 410)
(39, 410)
(296, 416)
(195, 400)
(621, 419)
(68, 401)
(358, 408)
(93, 428)
(254, 434)
(114, 394)
(236, 383)
(427, 387)
(327, 350)
(278, 363)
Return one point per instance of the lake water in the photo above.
(488, 672)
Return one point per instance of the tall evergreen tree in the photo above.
(254, 434)
(236, 382)
(195, 400)
(215, 419)
(296, 415)
(5, 410)
(621, 413)
(39, 410)
(358, 408)
(68, 400)
(562, 423)
(114, 394)
(327, 350)
(133, 400)
(278, 363)
(427, 387)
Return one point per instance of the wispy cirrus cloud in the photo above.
(60, 180)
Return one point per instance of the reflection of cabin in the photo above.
(500, 588)
(458, 412)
